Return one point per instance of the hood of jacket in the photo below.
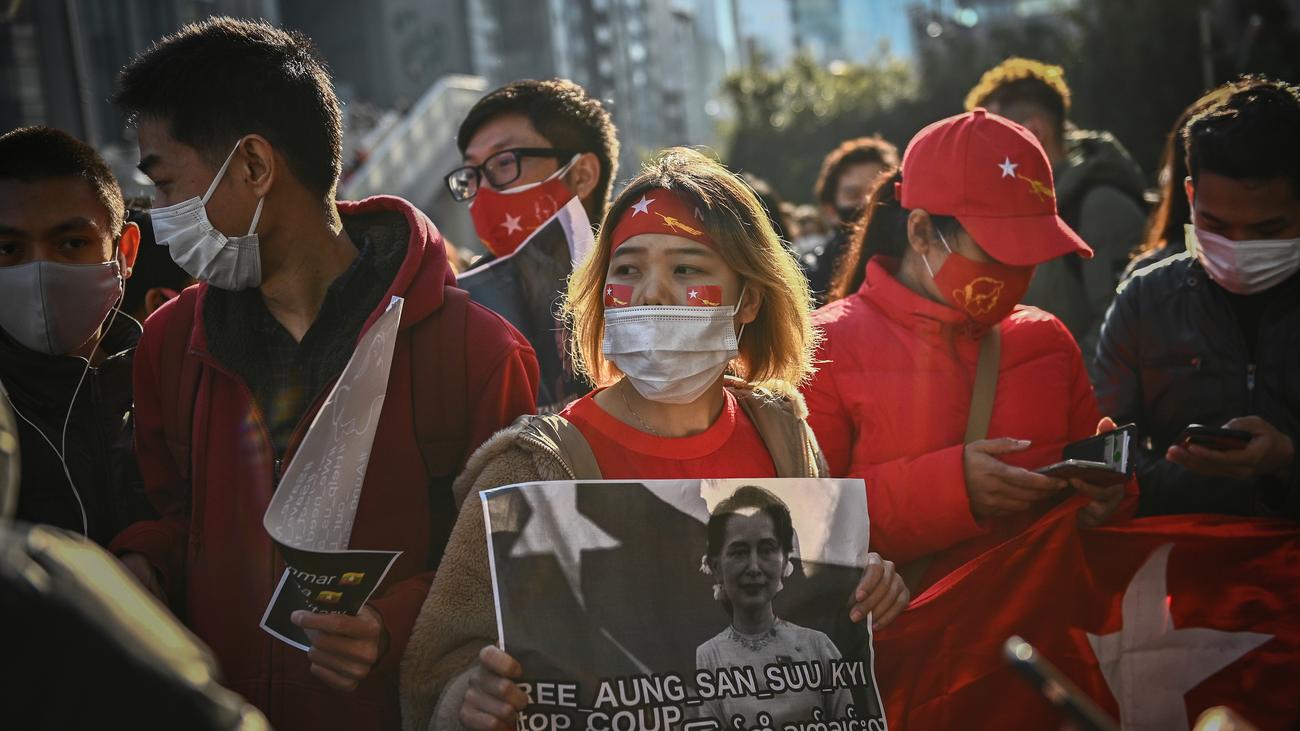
(1095, 158)
(397, 230)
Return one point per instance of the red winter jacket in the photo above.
(217, 562)
(891, 399)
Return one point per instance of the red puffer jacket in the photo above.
(217, 562)
(891, 399)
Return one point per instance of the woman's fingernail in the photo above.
(856, 615)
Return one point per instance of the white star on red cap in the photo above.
(642, 206)
(1008, 168)
(693, 294)
(512, 224)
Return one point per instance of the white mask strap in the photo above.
(736, 310)
(941, 238)
(257, 215)
(221, 173)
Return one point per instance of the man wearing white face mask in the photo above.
(65, 350)
(1212, 336)
(232, 372)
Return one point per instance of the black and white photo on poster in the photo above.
(689, 605)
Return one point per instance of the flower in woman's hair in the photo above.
(705, 568)
(718, 593)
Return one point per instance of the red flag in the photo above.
(618, 295)
(708, 295)
(1157, 619)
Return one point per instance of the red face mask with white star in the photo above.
(505, 219)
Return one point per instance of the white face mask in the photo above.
(671, 355)
(55, 308)
(226, 262)
(1244, 267)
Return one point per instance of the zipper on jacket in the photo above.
(551, 451)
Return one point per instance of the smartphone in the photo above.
(1213, 437)
(1064, 695)
(1094, 473)
(1102, 460)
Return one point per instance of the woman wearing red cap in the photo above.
(688, 283)
(944, 254)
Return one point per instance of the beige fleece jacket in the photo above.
(458, 617)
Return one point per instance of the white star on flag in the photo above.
(556, 527)
(1149, 664)
(1008, 168)
(512, 224)
(642, 206)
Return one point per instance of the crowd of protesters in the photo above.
(971, 327)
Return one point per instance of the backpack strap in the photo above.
(781, 432)
(986, 386)
(440, 399)
(977, 428)
(574, 448)
(179, 385)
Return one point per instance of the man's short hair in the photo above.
(1249, 134)
(1024, 81)
(215, 81)
(560, 111)
(30, 154)
(858, 151)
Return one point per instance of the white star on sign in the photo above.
(1149, 664)
(1008, 168)
(557, 528)
(512, 224)
(642, 206)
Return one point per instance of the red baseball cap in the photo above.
(994, 178)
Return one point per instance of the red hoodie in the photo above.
(217, 562)
(890, 401)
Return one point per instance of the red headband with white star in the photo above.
(661, 211)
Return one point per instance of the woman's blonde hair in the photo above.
(778, 345)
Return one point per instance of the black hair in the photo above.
(1248, 134)
(881, 230)
(215, 81)
(30, 154)
(749, 496)
(154, 266)
(859, 151)
(560, 111)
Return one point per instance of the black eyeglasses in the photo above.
(501, 169)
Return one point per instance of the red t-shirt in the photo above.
(731, 447)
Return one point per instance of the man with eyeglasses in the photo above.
(529, 148)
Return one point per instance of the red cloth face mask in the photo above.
(985, 292)
(505, 219)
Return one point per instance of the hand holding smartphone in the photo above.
(1212, 437)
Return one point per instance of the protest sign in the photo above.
(311, 514)
(684, 604)
(525, 289)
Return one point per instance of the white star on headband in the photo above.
(1008, 168)
(642, 206)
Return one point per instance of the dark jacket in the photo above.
(216, 560)
(1173, 353)
(1099, 194)
(98, 454)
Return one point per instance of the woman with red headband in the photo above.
(937, 389)
(692, 320)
